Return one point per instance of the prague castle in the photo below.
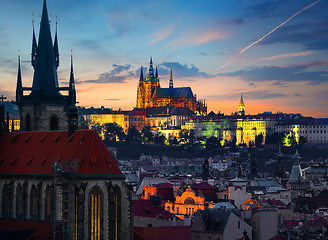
(150, 94)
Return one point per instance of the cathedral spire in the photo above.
(45, 80)
(171, 80)
(72, 91)
(156, 74)
(56, 49)
(34, 48)
(151, 69)
(19, 87)
(141, 74)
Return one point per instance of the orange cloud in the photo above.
(161, 35)
(195, 38)
(289, 55)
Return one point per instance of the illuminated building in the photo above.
(67, 178)
(150, 94)
(137, 119)
(187, 204)
(314, 130)
(101, 116)
(243, 127)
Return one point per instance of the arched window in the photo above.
(48, 204)
(117, 202)
(20, 203)
(54, 123)
(95, 213)
(189, 200)
(6, 201)
(34, 203)
(28, 123)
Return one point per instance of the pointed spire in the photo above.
(151, 69)
(156, 74)
(19, 87)
(241, 100)
(72, 91)
(34, 48)
(171, 80)
(56, 49)
(141, 74)
(45, 80)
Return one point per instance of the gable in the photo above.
(35, 152)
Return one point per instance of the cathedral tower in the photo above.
(45, 108)
(241, 109)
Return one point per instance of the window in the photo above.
(34, 203)
(48, 203)
(95, 198)
(20, 205)
(54, 123)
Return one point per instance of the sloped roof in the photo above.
(162, 233)
(203, 186)
(34, 153)
(215, 220)
(145, 208)
(182, 92)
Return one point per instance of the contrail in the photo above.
(259, 40)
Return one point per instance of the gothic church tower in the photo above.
(146, 87)
(241, 106)
(45, 108)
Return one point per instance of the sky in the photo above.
(274, 52)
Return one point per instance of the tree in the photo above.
(113, 132)
(212, 142)
(146, 135)
(187, 137)
(302, 140)
(174, 141)
(159, 139)
(134, 135)
(251, 144)
(259, 140)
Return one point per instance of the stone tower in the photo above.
(146, 87)
(241, 108)
(45, 108)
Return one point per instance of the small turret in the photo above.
(156, 74)
(151, 69)
(141, 75)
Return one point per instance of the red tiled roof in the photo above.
(14, 229)
(145, 208)
(277, 203)
(203, 186)
(162, 233)
(137, 113)
(164, 186)
(34, 152)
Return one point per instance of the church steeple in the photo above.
(156, 74)
(45, 80)
(171, 80)
(141, 74)
(34, 49)
(72, 91)
(56, 49)
(241, 106)
(19, 87)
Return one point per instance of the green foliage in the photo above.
(212, 142)
(134, 135)
(259, 139)
(113, 132)
(187, 137)
(159, 139)
(146, 135)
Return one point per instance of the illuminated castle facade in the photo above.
(150, 94)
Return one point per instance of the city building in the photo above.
(150, 94)
(45, 108)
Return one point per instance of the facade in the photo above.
(73, 181)
(313, 130)
(45, 108)
(187, 203)
(150, 94)
(222, 225)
